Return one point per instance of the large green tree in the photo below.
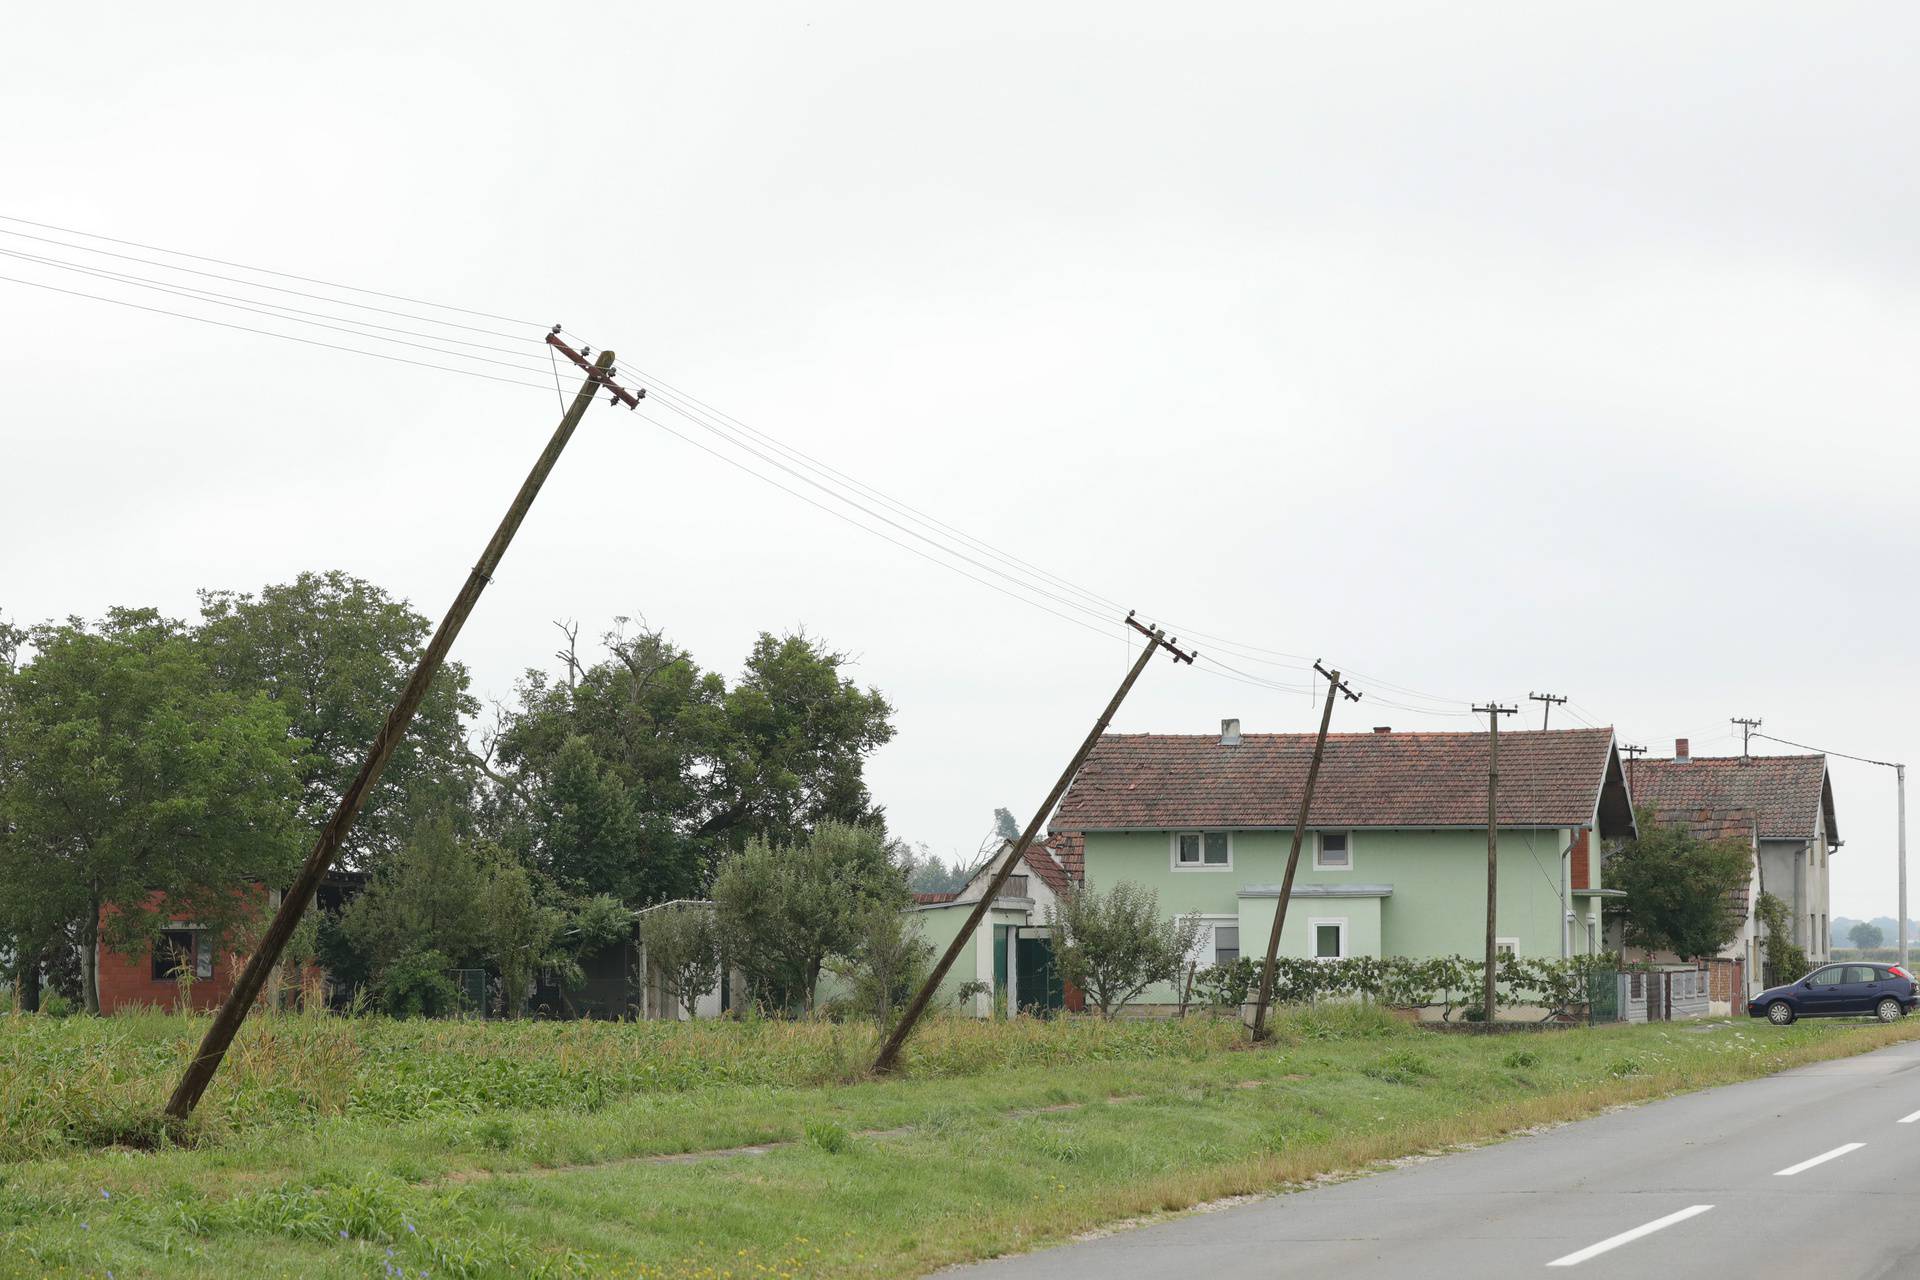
(635, 774)
(333, 651)
(1681, 890)
(125, 769)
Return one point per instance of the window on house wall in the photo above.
(1506, 946)
(1226, 943)
(171, 950)
(1203, 850)
(1333, 851)
(175, 948)
(1329, 939)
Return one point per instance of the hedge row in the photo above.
(1445, 982)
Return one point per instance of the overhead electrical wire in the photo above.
(1023, 580)
(247, 328)
(1785, 742)
(269, 271)
(255, 284)
(275, 314)
(841, 515)
(129, 277)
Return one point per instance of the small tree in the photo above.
(888, 961)
(683, 947)
(1680, 890)
(519, 934)
(1116, 944)
(782, 910)
(1866, 936)
(1785, 961)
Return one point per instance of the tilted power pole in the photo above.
(1493, 711)
(890, 1051)
(1547, 701)
(1335, 686)
(226, 1023)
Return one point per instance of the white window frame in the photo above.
(1173, 851)
(1313, 937)
(1215, 925)
(1318, 865)
(1202, 954)
(1511, 944)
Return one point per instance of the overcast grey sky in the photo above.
(1484, 349)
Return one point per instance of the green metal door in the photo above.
(1040, 987)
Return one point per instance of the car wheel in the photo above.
(1889, 1010)
(1779, 1013)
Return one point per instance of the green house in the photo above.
(1394, 859)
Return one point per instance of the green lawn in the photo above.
(333, 1147)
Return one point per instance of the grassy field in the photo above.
(358, 1148)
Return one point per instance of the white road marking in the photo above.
(1822, 1158)
(1628, 1237)
(1908, 1119)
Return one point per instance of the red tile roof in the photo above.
(1041, 862)
(1069, 849)
(1786, 792)
(933, 899)
(1164, 781)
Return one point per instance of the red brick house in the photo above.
(150, 978)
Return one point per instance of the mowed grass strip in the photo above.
(977, 1151)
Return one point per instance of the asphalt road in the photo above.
(1810, 1173)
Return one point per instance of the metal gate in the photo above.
(1603, 996)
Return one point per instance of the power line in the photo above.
(1885, 764)
(958, 554)
(1024, 575)
(840, 515)
(284, 275)
(255, 284)
(129, 277)
(264, 310)
(312, 342)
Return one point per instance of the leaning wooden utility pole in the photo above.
(234, 1010)
(1334, 686)
(1493, 712)
(890, 1051)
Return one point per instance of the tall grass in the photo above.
(88, 1082)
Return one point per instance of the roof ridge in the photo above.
(1372, 734)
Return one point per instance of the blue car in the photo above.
(1885, 991)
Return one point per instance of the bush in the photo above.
(417, 986)
(888, 961)
(1406, 983)
(1116, 944)
(55, 1005)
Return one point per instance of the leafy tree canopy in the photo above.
(1114, 945)
(332, 651)
(636, 774)
(126, 769)
(1682, 892)
(1866, 936)
(782, 910)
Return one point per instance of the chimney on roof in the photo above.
(1383, 728)
(1229, 733)
(1680, 751)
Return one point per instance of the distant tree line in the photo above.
(153, 768)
